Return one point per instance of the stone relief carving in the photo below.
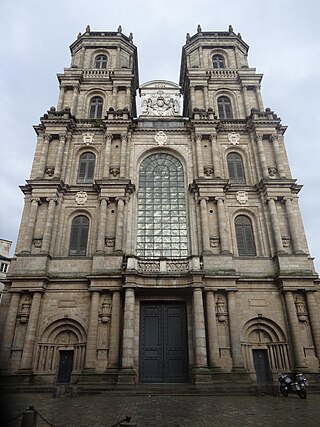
(222, 312)
(272, 170)
(81, 197)
(37, 243)
(242, 197)
(301, 309)
(114, 170)
(161, 138)
(286, 241)
(105, 311)
(24, 311)
(49, 170)
(214, 242)
(160, 98)
(110, 241)
(208, 170)
(87, 138)
(233, 138)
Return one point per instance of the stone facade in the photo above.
(167, 247)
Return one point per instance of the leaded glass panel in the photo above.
(162, 224)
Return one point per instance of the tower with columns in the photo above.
(165, 246)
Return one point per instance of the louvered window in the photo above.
(224, 107)
(101, 62)
(96, 104)
(235, 168)
(86, 168)
(218, 61)
(79, 236)
(244, 234)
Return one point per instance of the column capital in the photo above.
(287, 198)
(198, 136)
(36, 199)
(273, 137)
(206, 199)
(124, 137)
(259, 137)
(54, 199)
(101, 198)
(217, 198)
(47, 137)
(213, 135)
(274, 198)
(63, 138)
(108, 137)
(125, 199)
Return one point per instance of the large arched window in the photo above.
(224, 107)
(86, 168)
(218, 61)
(162, 222)
(101, 62)
(96, 104)
(244, 235)
(79, 236)
(235, 168)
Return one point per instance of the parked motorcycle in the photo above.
(299, 385)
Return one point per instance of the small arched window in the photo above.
(79, 236)
(224, 107)
(96, 104)
(101, 62)
(86, 168)
(244, 235)
(235, 168)
(218, 61)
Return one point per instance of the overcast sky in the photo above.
(283, 36)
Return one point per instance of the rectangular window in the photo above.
(4, 267)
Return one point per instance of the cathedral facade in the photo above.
(165, 246)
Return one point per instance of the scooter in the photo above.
(299, 386)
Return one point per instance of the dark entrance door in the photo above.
(65, 366)
(163, 343)
(261, 365)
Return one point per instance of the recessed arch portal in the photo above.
(162, 219)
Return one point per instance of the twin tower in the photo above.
(164, 246)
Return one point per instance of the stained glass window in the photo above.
(162, 221)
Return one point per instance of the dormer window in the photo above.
(218, 61)
(101, 62)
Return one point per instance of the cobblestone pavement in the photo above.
(167, 410)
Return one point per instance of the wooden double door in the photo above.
(163, 353)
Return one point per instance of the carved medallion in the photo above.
(161, 138)
(242, 197)
(234, 138)
(81, 197)
(87, 138)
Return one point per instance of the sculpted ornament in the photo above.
(242, 197)
(87, 138)
(81, 197)
(161, 138)
(234, 138)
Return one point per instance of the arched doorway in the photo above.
(265, 348)
(61, 350)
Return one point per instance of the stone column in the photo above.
(44, 154)
(61, 98)
(293, 321)
(313, 311)
(91, 351)
(262, 156)
(107, 153)
(213, 346)
(204, 224)
(293, 227)
(29, 341)
(193, 98)
(75, 100)
(259, 98)
(276, 150)
(200, 346)
(206, 98)
(9, 329)
(236, 353)
(123, 155)
(215, 155)
(114, 97)
(119, 224)
(199, 154)
(31, 225)
(245, 100)
(128, 330)
(57, 168)
(46, 240)
(102, 224)
(275, 224)
(114, 343)
(224, 241)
